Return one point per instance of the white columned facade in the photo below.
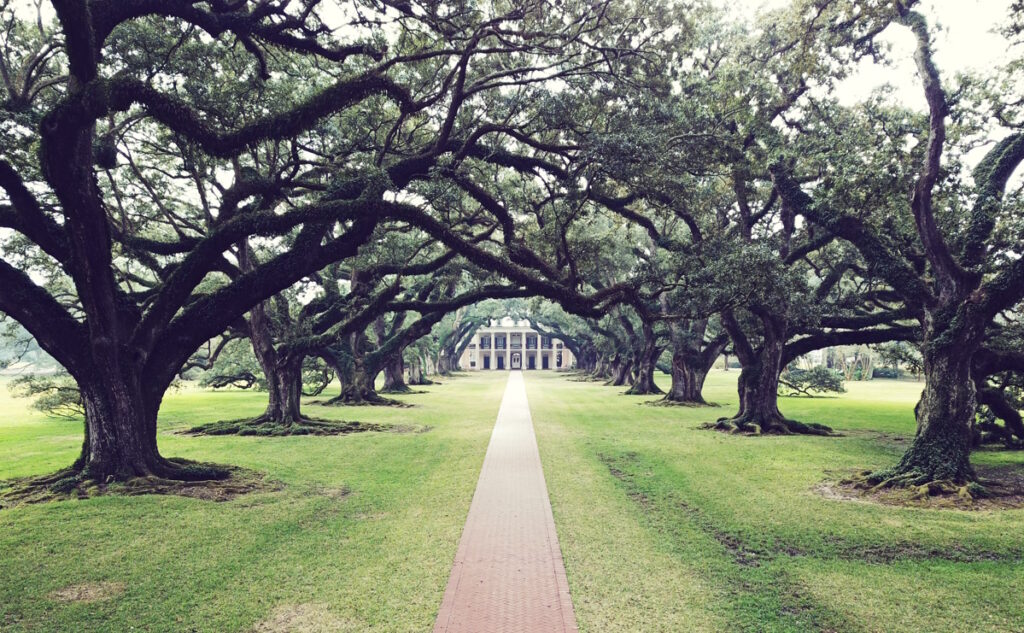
(477, 356)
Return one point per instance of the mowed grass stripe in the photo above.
(712, 502)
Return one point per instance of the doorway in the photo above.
(517, 361)
(487, 361)
(501, 362)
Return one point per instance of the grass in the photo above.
(663, 527)
(366, 524)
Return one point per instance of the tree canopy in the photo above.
(284, 192)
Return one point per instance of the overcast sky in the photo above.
(966, 41)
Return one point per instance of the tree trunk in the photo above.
(121, 444)
(687, 380)
(443, 367)
(758, 387)
(394, 375)
(941, 449)
(643, 383)
(692, 359)
(357, 382)
(120, 436)
(283, 374)
(357, 388)
(619, 371)
(416, 373)
(284, 383)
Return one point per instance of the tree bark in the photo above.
(643, 383)
(394, 375)
(619, 371)
(283, 374)
(692, 359)
(758, 384)
(941, 449)
(120, 436)
(687, 380)
(357, 380)
(284, 384)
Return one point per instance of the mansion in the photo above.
(510, 344)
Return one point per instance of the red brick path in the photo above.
(508, 573)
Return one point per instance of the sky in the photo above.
(964, 41)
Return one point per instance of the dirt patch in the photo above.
(408, 428)
(263, 428)
(304, 618)
(895, 552)
(335, 493)
(235, 483)
(379, 401)
(88, 592)
(1004, 490)
(673, 403)
(241, 482)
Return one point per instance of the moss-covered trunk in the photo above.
(619, 371)
(284, 384)
(692, 359)
(941, 449)
(758, 385)
(283, 373)
(120, 438)
(643, 381)
(687, 380)
(394, 375)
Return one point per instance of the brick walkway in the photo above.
(508, 573)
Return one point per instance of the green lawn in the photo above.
(663, 527)
(375, 559)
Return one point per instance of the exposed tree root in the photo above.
(918, 489)
(267, 427)
(407, 391)
(921, 485)
(666, 402)
(776, 425)
(636, 390)
(363, 400)
(191, 479)
(930, 467)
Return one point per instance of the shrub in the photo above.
(806, 382)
